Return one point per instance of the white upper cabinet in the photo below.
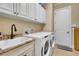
(32, 11)
(37, 12)
(6, 7)
(29, 11)
(43, 15)
(21, 9)
(26, 10)
(40, 13)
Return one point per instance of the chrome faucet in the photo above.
(13, 25)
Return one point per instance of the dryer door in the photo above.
(52, 40)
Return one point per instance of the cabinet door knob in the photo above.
(35, 19)
(14, 12)
(17, 13)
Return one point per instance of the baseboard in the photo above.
(64, 47)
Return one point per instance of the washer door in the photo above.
(46, 47)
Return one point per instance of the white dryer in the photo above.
(52, 43)
(42, 43)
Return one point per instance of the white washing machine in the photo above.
(42, 43)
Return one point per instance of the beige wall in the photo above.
(75, 14)
(50, 21)
(5, 25)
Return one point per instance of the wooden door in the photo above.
(76, 39)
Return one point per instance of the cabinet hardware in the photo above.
(45, 36)
(35, 19)
(17, 13)
(14, 12)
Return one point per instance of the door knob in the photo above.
(68, 32)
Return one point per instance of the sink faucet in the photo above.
(13, 25)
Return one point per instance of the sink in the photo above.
(13, 42)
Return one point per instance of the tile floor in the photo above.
(60, 52)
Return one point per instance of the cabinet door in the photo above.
(38, 12)
(32, 10)
(28, 49)
(22, 9)
(43, 15)
(7, 7)
(26, 10)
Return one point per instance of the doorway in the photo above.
(62, 27)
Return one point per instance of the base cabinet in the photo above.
(29, 51)
(23, 50)
(26, 53)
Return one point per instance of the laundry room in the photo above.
(26, 27)
(39, 29)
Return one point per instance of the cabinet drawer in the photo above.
(28, 48)
(28, 52)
